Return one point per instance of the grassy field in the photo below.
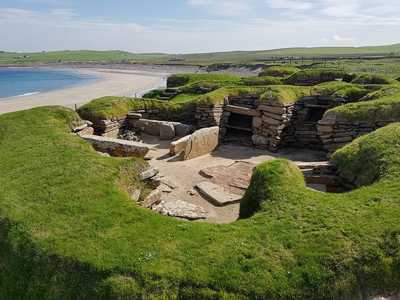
(237, 57)
(70, 231)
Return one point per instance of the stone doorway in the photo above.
(239, 129)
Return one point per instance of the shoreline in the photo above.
(110, 82)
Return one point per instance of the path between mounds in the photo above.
(185, 175)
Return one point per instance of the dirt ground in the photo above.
(186, 174)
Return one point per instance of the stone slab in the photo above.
(167, 131)
(216, 195)
(180, 209)
(202, 142)
(116, 147)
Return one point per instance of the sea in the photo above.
(20, 82)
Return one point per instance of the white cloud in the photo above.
(290, 4)
(222, 7)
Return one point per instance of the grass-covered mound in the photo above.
(284, 94)
(260, 81)
(372, 78)
(179, 80)
(70, 231)
(118, 107)
(278, 71)
(314, 76)
(348, 91)
(385, 108)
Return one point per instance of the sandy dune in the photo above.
(112, 82)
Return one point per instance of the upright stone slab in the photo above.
(167, 131)
(202, 142)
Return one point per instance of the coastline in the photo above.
(111, 82)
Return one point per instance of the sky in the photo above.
(185, 26)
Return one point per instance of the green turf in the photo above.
(69, 230)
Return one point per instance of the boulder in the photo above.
(167, 131)
(116, 147)
(202, 142)
(181, 209)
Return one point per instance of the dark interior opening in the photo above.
(240, 121)
(315, 114)
(239, 129)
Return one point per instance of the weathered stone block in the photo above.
(202, 142)
(179, 145)
(182, 129)
(167, 131)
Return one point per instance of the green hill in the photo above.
(199, 58)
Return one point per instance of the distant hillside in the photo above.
(200, 58)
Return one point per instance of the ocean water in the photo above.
(29, 81)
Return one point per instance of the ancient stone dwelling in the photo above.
(246, 120)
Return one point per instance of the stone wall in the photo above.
(271, 129)
(111, 127)
(336, 131)
(210, 115)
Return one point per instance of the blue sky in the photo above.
(182, 26)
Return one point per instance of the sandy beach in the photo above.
(111, 82)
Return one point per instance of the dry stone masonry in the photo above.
(336, 131)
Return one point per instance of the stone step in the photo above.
(216, 194)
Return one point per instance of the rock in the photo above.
(116, 147)
(103, 154)
(135, 195)
(86, 131)
(167, 131)
(202, 142)
(259, 140)
(215, 194)
(165, 188)
(129, 136)
(181, 209)
(148, 174)
(257, 122)
(168, 183)
(182, 129)
(150, 127)
(179, 145)
(79, 127)
(154, 198)
(134, 116)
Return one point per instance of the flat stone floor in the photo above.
(186, 174)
